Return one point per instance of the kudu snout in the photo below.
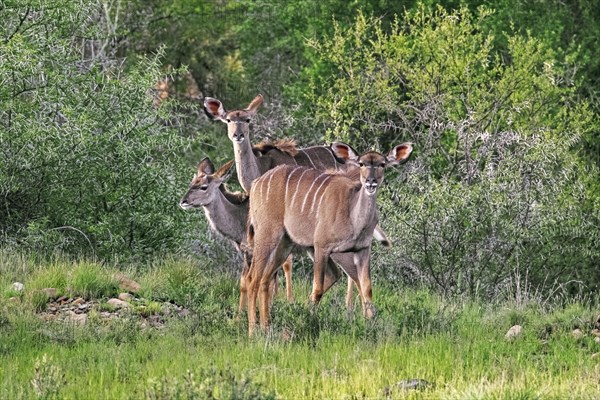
(238, 133)
(371, 182)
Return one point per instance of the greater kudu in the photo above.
(253, 161)
(334, 213)
(227, 214)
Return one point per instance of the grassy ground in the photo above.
(457, 346)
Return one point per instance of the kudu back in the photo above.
(334, 213)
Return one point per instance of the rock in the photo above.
(118, 303)
(79, 319)
(126, 283)
(577, 333)
(596, 332)
(62, 299)
(18, 286)
(78, 301)
(50, 292)
(184, 312)
(597, 339)
(14, 299)
(598, 322)
(125, 296)
(514, 332)
(595, 355)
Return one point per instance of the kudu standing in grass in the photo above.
(330, 212)
(253, 161)
(227, 214)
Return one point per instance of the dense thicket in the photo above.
(101, 123)
(90, 162)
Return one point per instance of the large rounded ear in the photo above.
(255, 104)
(206, 167)
(214, 109)
(399, 154)
(343, 151)
(225, 171)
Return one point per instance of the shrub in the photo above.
(90, 161)
(494, 188)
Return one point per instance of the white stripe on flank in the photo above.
(269, 186)
(320, 201)
(298, 186)
(309, 159)
(308, 192)
(315, 196)
(288, 181)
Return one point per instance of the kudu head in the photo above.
(372, 163)
(238, 121)
(205, 184)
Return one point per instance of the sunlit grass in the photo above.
(457, 346)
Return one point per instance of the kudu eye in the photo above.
(203, 187)
(228, 120)
(248, 121)
(361, 164)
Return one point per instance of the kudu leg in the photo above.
(320, 264)
(244, 284)
(346, 262)
(364, 281)
(287, 271)
(265, 299)
(350, 295)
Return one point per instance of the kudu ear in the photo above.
(206, 167)
(344, 151)
(255, 104)
(214, 109)
(225, 171)
(399, 154)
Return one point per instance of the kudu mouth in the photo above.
(185, 205)
(371, 188)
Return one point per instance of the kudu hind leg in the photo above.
(287, 271)
(244, 283)
(362, 261)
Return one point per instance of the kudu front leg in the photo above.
(321, 259)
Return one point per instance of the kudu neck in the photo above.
(363, 208)
(227, 218)
(246, 164)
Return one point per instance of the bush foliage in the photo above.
(496, 187)
(100, 124)
(90, 160)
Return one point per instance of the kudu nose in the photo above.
(238, 135)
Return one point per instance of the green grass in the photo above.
(456, 345)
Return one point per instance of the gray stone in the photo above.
(18, 286)
(78, 301)
(577, 333)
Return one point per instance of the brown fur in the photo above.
(329, 212)
(287, 146)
